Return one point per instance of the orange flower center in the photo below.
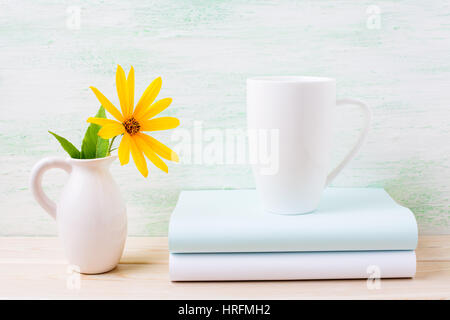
(131, 126)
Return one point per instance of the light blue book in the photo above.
(348, 219)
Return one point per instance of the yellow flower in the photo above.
(131, 123)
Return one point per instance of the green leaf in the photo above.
(94, 146)
(67, 145)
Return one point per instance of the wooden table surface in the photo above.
(36, 268)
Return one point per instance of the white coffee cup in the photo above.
(299, 111)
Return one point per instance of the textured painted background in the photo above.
(392, 54)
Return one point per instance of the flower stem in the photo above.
(110, 145)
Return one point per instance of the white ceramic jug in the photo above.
(90, 214)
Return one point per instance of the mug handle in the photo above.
(36, 181)
(362, 137)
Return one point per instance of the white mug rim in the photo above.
(290, 79)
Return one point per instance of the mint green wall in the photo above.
(392, 54)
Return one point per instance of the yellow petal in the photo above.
(150, 154)
(155, 108)
(107, 104)
(101, 121)
(122, 90)
(148, 97)
(159, 148)
(124, 149)
(111, 130)
(138, 158)
(163, 123)
(130, 85)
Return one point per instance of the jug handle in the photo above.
(36, 181)
(362, 137)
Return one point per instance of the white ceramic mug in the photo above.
(300, 111)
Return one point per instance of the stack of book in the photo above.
(219, 235)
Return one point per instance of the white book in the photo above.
(291, 265)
